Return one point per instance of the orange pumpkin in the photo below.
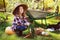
(9, 31)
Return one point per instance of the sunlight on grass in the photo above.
(55, 36)
(49, 21)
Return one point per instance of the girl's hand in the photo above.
(27, 23)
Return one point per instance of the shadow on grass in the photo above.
(56, 32)
(3, 25)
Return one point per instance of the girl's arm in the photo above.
(27, 22)
(16, 22)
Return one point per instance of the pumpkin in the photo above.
(9, 31)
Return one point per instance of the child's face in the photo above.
(21, 10)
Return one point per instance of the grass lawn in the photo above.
(53, 35)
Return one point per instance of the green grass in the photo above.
(14, 37)
(53, 35)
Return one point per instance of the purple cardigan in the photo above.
(18, 20)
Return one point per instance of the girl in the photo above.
(20, 20)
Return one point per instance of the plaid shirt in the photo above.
(19, 21)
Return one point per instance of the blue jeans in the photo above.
(21, 28)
